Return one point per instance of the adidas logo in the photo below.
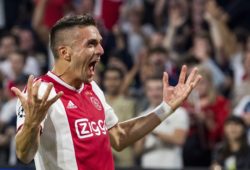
(71, 105)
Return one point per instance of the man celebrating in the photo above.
(63, 119)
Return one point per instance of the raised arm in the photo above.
(37, 20)
(128, 132)
(34, 109)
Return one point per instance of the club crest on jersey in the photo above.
(96, 103)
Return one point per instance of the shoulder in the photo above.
(96, 88)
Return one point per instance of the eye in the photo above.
(92, 43)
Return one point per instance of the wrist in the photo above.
(31, 126)
(163, 110)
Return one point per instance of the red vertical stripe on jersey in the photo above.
(86, 120)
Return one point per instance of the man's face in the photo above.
(158, 59)
(112, 82)
(26, 40)
(17, 63)
(86, 53)
(154, 90)
(8, 45)
(201, 48)
(233, 131)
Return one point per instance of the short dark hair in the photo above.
(9, 35)
(116, 69)
(66, 22)
(158, 49)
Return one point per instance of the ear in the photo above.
(64, 52)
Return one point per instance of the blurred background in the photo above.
(142, 39)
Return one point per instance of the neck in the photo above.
(66, 76)
(234, 145)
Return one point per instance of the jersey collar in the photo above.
(63, 83)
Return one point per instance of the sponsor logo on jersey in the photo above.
(87, 129)
(96, 103)
(71, 105)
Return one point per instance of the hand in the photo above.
(174, 96)
(175, 18)
(35, 108)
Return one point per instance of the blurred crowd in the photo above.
(142, 39)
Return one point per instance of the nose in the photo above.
(99, 49)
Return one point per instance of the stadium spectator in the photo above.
(163, 147)
(46, 13)
(234, 151)
(15, 68)
(207, 111)
(243, 87)
(8, 43)
(243, 110)
(7, 123)
(122, 105)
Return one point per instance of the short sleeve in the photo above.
(20, 110)
(110, 117)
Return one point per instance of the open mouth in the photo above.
(92, 66)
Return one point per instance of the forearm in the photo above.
(168, 39)
(38, 14)
(139, 147)
(27, 142)
(215, 33)
(37, 21)
(132, 130)
(128, 79)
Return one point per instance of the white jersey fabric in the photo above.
(56, 150)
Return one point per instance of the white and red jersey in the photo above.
(74, 133)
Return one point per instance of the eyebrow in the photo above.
(94, 41)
